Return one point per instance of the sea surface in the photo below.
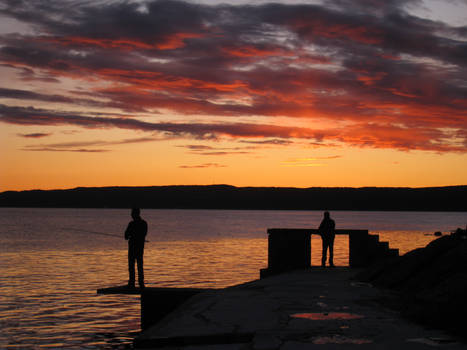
(53, 260)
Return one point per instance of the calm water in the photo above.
(53, 260)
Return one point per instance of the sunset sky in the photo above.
(247, 93)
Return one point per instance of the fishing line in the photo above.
(95, 233)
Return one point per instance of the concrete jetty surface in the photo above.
(319, 308)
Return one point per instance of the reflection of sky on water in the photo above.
(48, 298)
(50, 274)
(37, 229)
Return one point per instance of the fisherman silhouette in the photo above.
(327, 232)
(136, 234)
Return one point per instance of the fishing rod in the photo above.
(96, 233)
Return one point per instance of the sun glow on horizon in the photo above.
(294, 93)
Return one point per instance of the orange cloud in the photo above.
(122, 44)
(370, 80)
(168, 42)
(253, 51)
(176, 40)
(373, 135)
(316, 63)
(319, 28)
(395, 137)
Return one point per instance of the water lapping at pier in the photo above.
(50, 275)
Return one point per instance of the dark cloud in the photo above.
(34, 96)
(74, 150)
(222, 153)
(203, 166)
(88, 102)
(360, 135)
(268, 142)
(398, 80)
(197, 147)
(78, 146)
(204, 150)
(36, 135)
(33, 116)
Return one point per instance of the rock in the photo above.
(444, 265)
(411, 263)
(431, 281)
(460, 233)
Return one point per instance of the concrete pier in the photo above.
(290, 249)
(156, 302)
(316, 308)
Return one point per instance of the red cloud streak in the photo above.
(381, 77)
(363, 135)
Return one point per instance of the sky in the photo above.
(344, 93)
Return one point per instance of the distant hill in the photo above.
(452, 198)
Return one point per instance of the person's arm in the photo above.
(128, 231)
(145, 229)
(321, 226)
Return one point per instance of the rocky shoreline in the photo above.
(430, 282)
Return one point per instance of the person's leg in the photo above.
(331, 251)
(139, 261)
(323, 254)
(131, 268)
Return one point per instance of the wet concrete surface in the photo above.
(320, 308)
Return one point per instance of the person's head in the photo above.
(326, 214)
(135, 212)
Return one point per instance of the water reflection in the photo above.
(49, 296)
(50, 275)
(48, 299)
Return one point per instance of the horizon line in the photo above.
(234, 186)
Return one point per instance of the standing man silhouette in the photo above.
(326, 230)
(135, 233)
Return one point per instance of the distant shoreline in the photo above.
(449, 198)
(242, 209)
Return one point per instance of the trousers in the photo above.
(328, 243)
(135, 255)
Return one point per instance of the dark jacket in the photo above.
(327, 227)
(136, 232)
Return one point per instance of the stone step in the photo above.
(393, 252)
(373, 240)
(383, 245)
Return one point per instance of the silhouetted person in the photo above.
(327, 232)
(135, 233)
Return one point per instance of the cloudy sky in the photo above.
(248, 93)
